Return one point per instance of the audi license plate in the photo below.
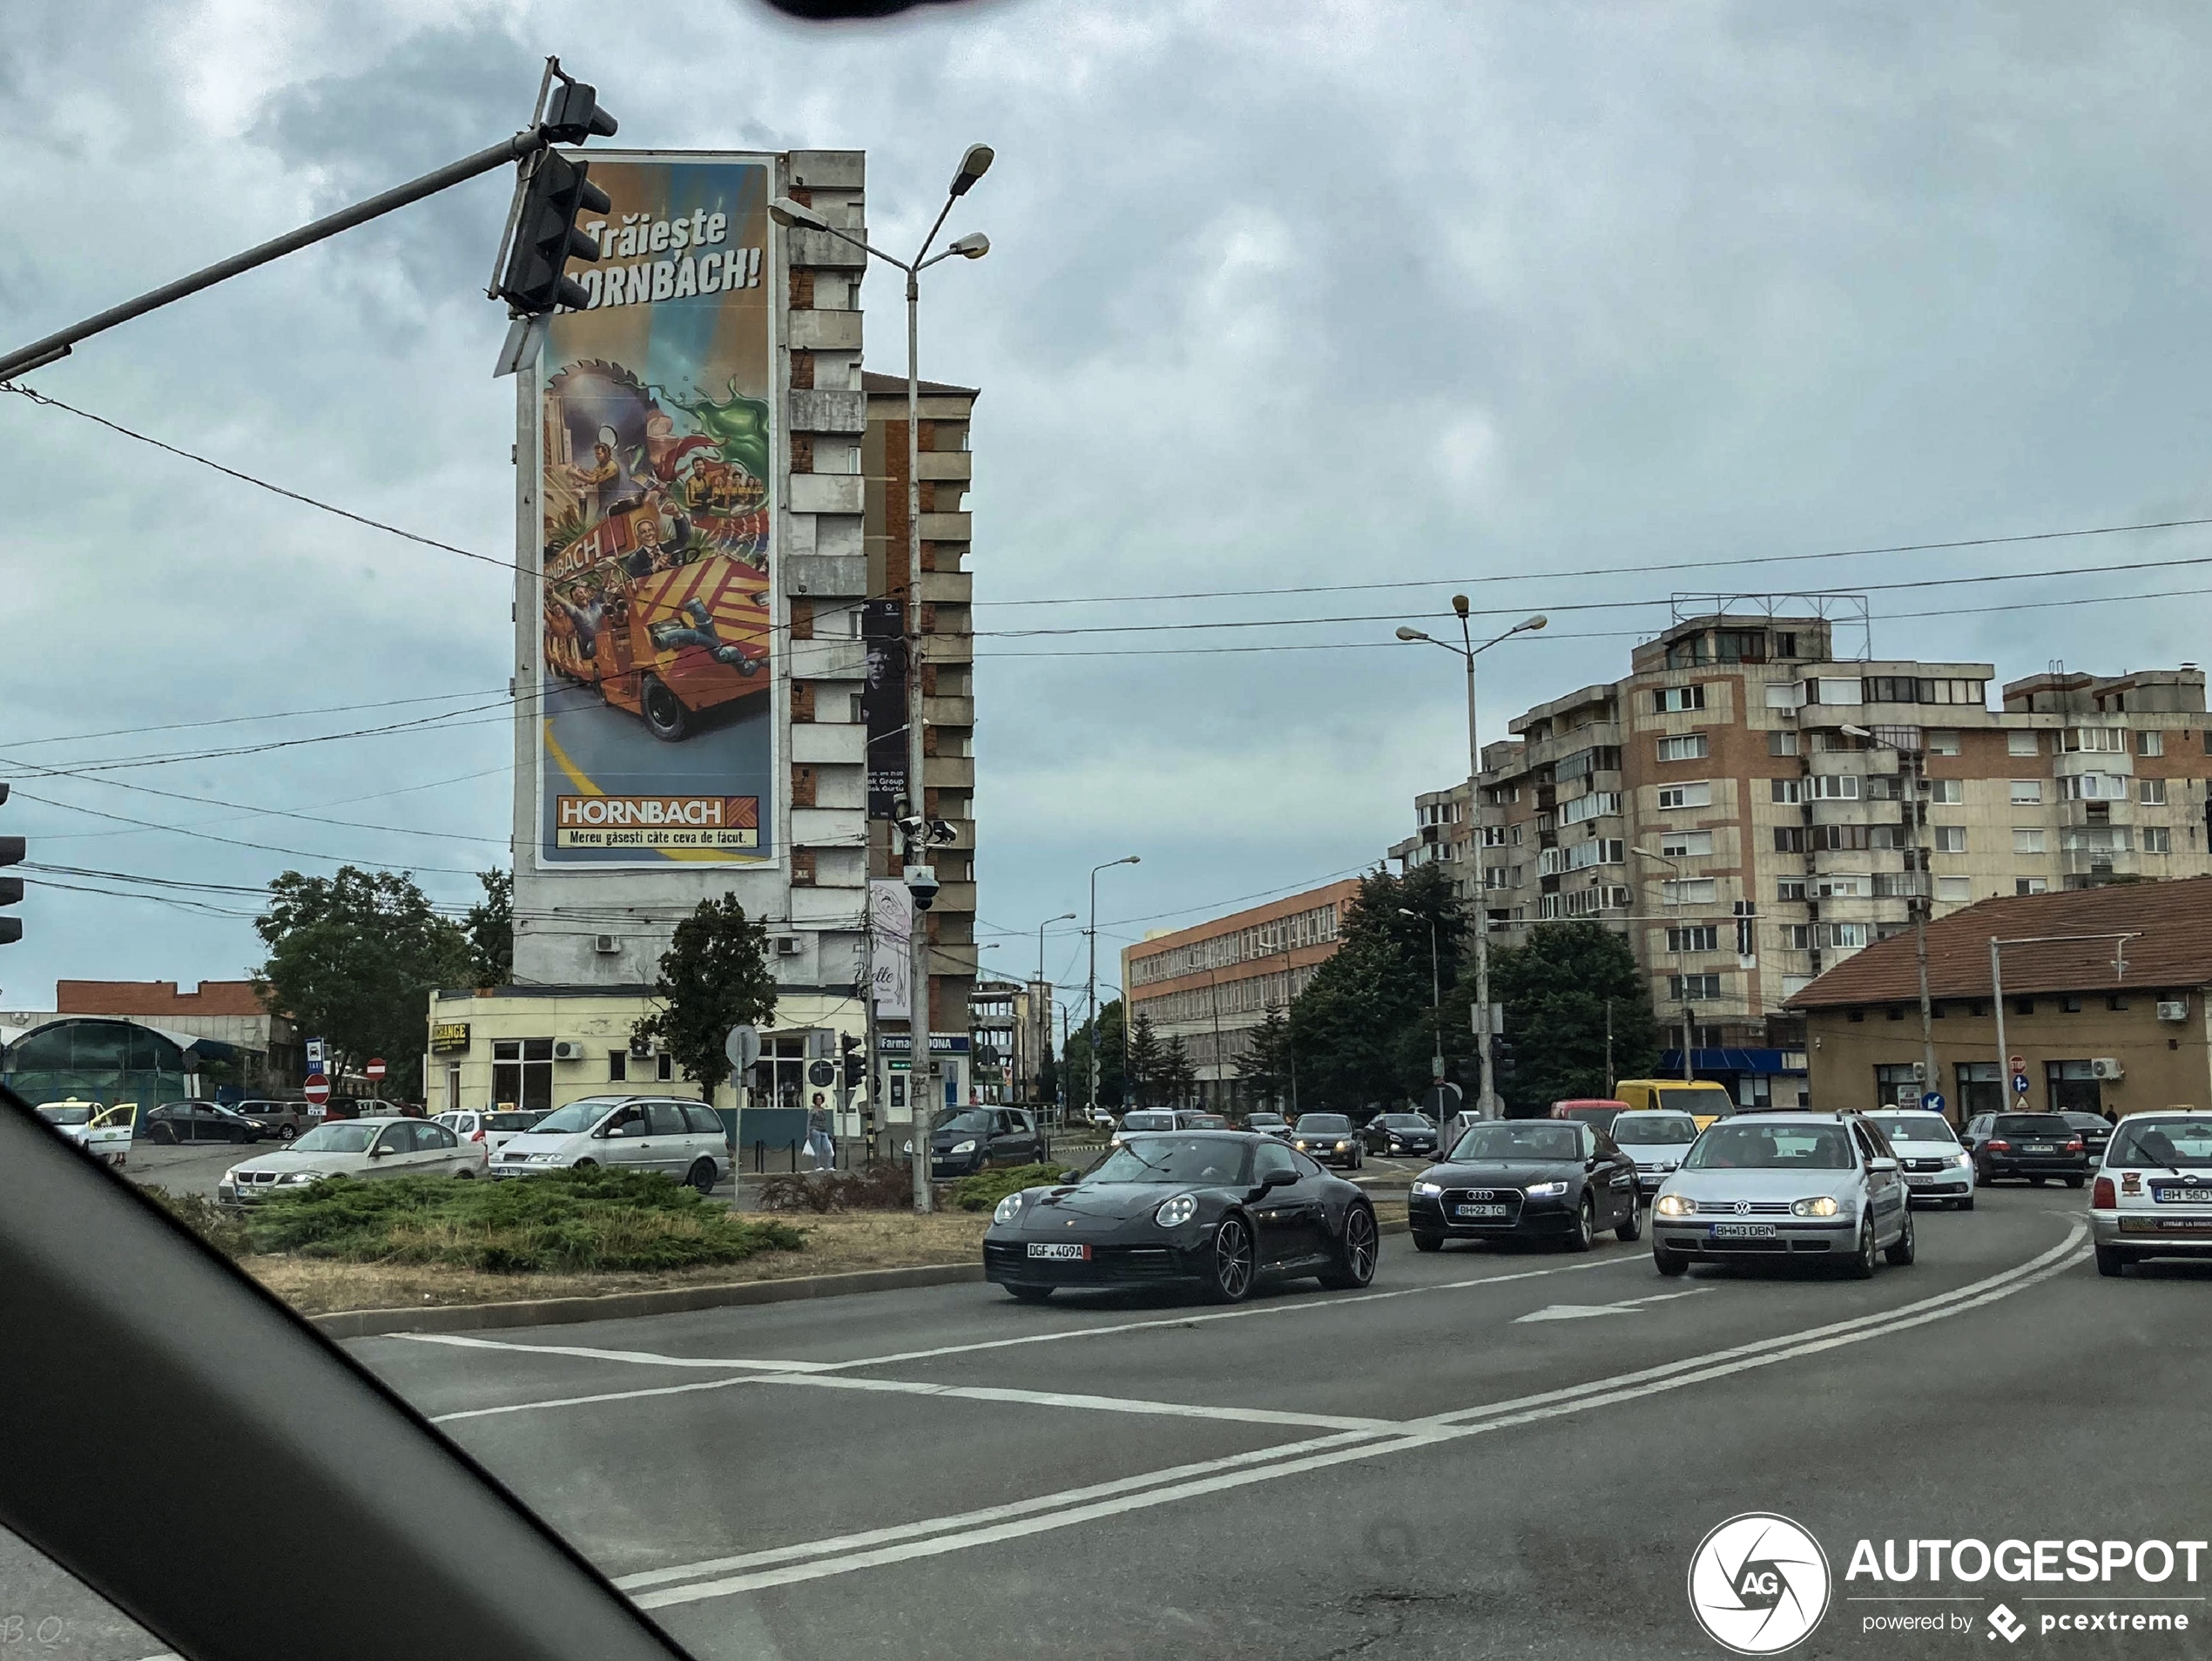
(1479, 1211)
(1743, 1231)
(1057, 1249)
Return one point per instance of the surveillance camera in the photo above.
(940, 833)
(922, 883)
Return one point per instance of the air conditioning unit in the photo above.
(2174, 1008)
(2107, 1067)
(567, 1049)
(607, 945)
(787, 946)
(1920, 1070)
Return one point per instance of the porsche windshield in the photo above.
(1214, 1160)
(1519, 1141)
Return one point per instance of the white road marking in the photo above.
(1584, 1311)
(1094, 1403)
(954, 1535)
(634, 1357)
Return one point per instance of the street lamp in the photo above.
(790, 213)
(1486, 1097)
(1920, 904)
(1065, 917)
(1090, 994)
(1435, 1007)
(1689, 1073)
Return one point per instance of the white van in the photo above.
(684, 1140)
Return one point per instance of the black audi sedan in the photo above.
(1554, 1180)
(1216, 1212)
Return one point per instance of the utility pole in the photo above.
(1090, 994)
(1436, 1002)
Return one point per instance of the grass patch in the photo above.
(983, 1191)
(563, 1222)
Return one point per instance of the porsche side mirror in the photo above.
(1071, 1176)
(1278, 1178)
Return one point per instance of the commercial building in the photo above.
(111, 1060)
(1742, 805)
(1211, 983)
(2103, 1003)
(265, 1052)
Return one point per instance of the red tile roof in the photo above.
(2172, 923)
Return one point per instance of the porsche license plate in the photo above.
(1478, 1212)
(1068, 1250)
(1743, 1231)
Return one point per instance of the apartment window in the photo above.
(2157, 840)
(1690, 747)
(1832, 786)
(618, 1066)
(1842, 887)
(1785, 644)
(2095, 838)
(1516, 835)
(2027, 839)
(1689, 891)
(1954, 889)
(1796, 936)
(1698, 937)
(2020, 743)
(2151, 792)
(1947, 792)
(1786, 744)
(1951, 839)
(1788, 839)
(2026, 885)
(1786, 694)
(1693, 988)
(1692, 843)
(1740, 646)
(2101, 738)
(2096, 786)
(1593, 806)
(2150, 742)
(1674, 700)
(1789, 887)
(1942, 742)
(1786, 790)
(1493, 836)
(521, 1074)
(1832, 692)
(1696, 795)
(1841, 936)
(2026, 793)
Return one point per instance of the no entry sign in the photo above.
(376, 1068)
(316, 1090)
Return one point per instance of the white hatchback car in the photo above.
(684, 1140)
(1936, 1167)
(493, 1129)
(2152, 1196)
(393, 1147)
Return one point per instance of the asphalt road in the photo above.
(1488, 1453)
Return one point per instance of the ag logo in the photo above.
(1759, 1583)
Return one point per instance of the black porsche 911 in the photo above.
(1527, 1178)
(1217, 1211)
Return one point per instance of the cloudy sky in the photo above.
(1281, 296)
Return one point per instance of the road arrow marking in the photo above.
(1584, 1311)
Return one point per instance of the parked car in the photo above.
(2096, 1132)
(1527, 1179)
(494, 1128)
(1596, 1111)
(2033, 1146)
(1935, 1167)
(1330, 1138)
(1408, 1135)
(197, 1121)
(103, 1133)
(1785, 1185)
(965, 1140)
(365, 1148)
(281, 1119)
(683, 1138)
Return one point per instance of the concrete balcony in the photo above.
(825, 410)
(949, 712)
(826, 493)
(958, 464)
(2074, 815)
(949, 772)
(830, 743)
(947, 527)
(955, 896)
(947, 588)
(822, 331)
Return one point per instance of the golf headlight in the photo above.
(1173, 1213)
(964, 1147)
(1823, 1206)
(298, 1176)
(1675, 1205)
(1008, 1209)
(1546, 1189)
(1428, 1190)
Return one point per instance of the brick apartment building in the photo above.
(1776, 840)
(1211, 983)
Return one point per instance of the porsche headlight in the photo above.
(1173, 1213)
(1823, 1206)
(1675, 1205)
(964, 1147)
(1428, 1190)
(1546, 1189)
(1008, 1209)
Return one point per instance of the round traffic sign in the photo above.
(2016, 1063)
(316, 1090)
(376, 1068)
(2020, 1083)
(1932, 1101)
(821, 1072)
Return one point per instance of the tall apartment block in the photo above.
(1741, 806)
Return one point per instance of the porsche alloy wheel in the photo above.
(1355, 1261)
(1233, 1264)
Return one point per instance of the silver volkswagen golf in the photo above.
(1784, 1184)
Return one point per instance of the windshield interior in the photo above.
(1519, 1140)
(1404, 1122)
(1750, 1145)
(1217, 1161)
(1913, 1127)
(1144, 1121)
(968, 1121)
(2152, 1142)
(349, 1136)
(1646, 1129)
(1323, 1124)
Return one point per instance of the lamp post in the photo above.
(1920, 903)
(1689, 1073)
(790, 213)
(1435, 1006)
(2005, 1092)
(1065, 917)
(1090, 994)
(1486, 1095)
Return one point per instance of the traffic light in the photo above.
(11, 853)
(1500, 1059)
(573, 115)
(546, 238)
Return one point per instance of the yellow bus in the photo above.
(1701, 1098)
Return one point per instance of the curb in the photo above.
(630, 1305)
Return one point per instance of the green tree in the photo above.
(1558, 988)
(1075, 1059)
(1265, 1061)
(352, 960)
(713, 976)
(490, 925)
(1178, 1075)
(1353, 1028)
(1145, 1059)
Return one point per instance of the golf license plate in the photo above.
(1068, 1250)
(1479, 1213)
(1743, 1231)
(2184, 1196)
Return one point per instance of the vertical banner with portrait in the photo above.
(657, 444)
